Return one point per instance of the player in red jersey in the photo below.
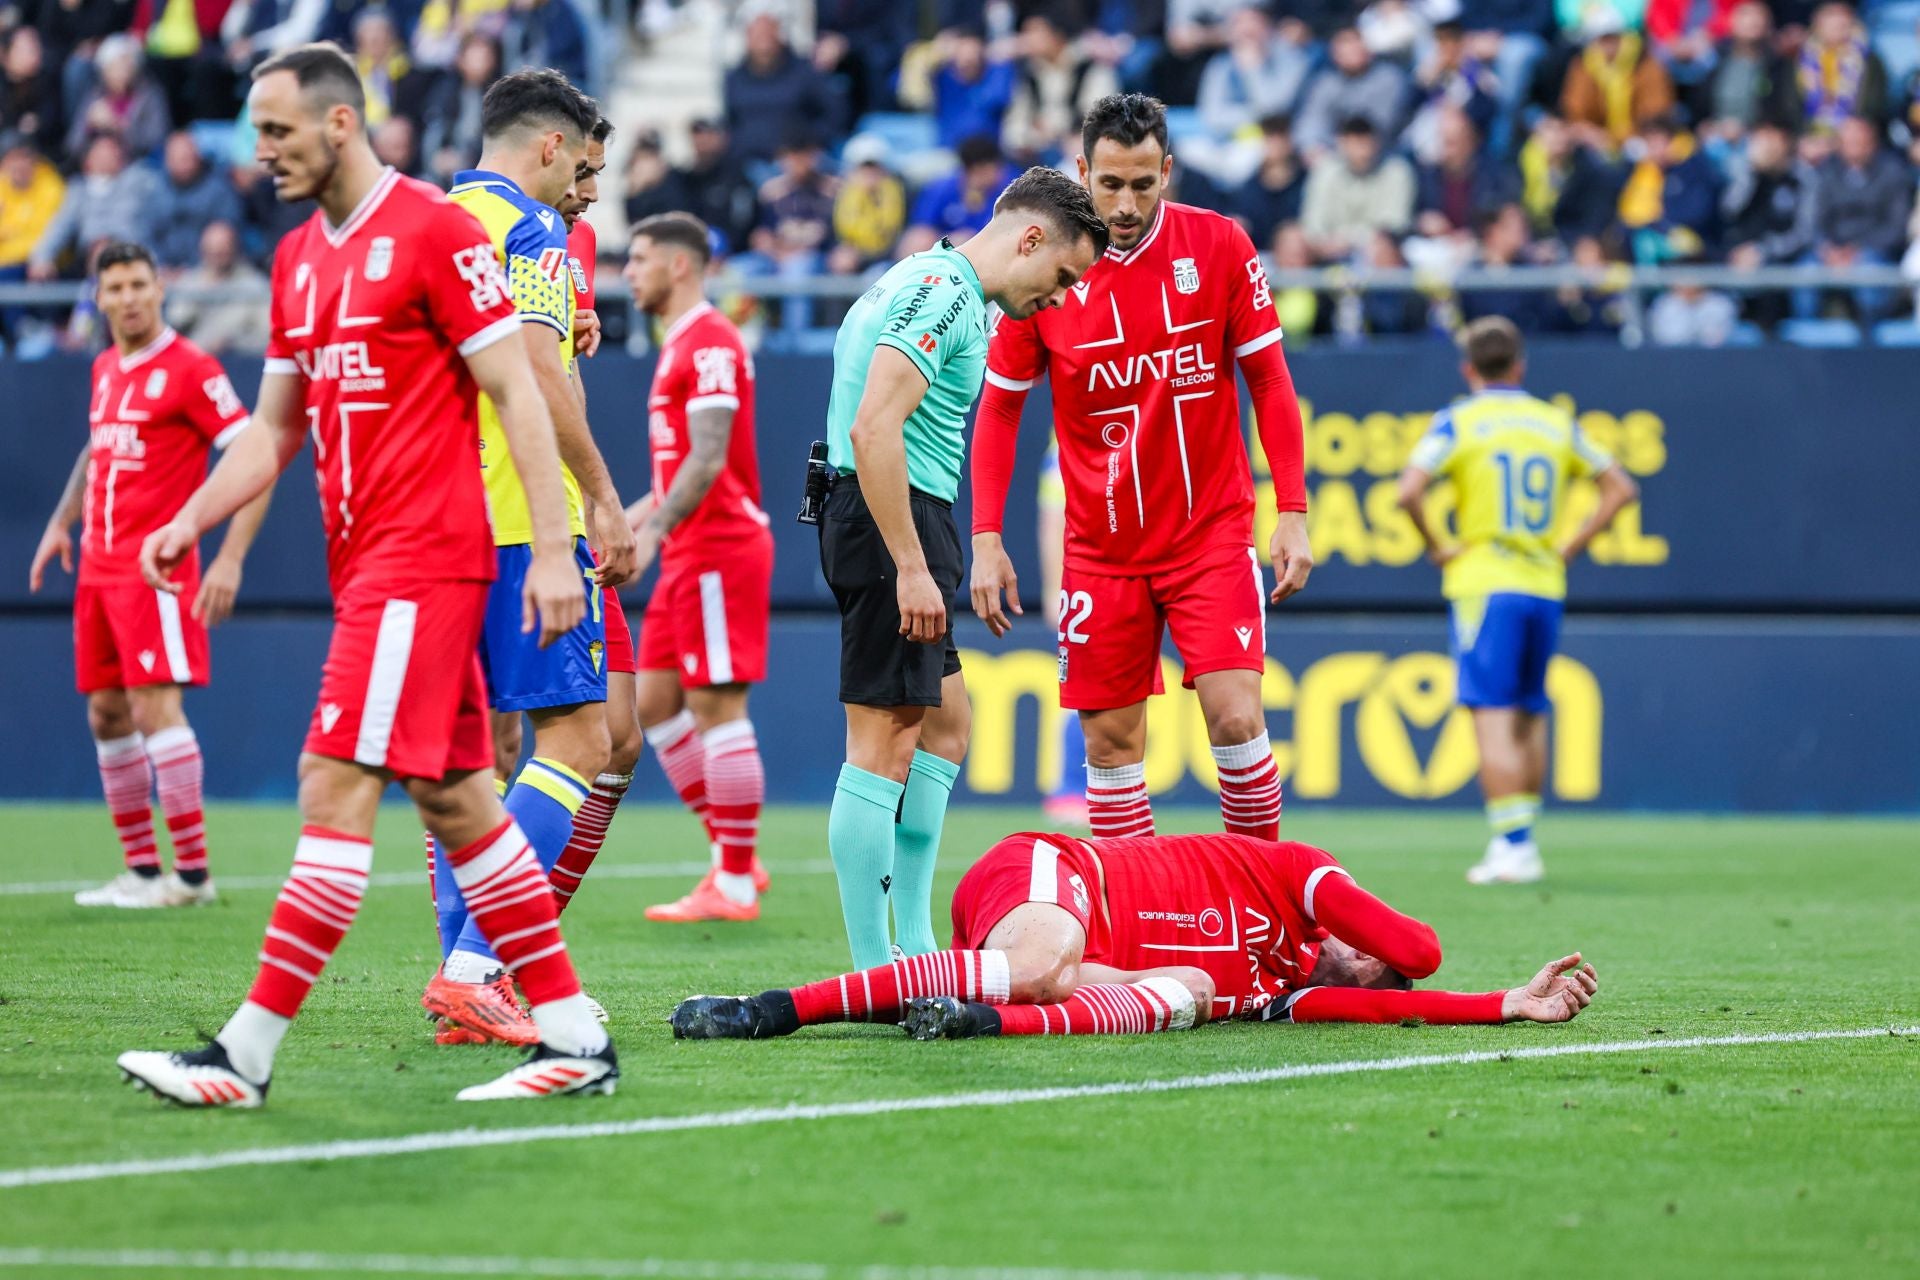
(1160, 499)
(159, 406)
(704, 638)
(1055, 935)
(390, 314)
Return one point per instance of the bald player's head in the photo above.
(306, 107)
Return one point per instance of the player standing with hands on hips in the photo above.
(907, 364)
(1160, 499)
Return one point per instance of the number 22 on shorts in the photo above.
(1075, 608)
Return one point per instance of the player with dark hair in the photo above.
(1512, 459)
(907, 365)
(389, 314)
(536, 130)
(1054, 935)
(703, 641)
(159, 405)
(1160, 495)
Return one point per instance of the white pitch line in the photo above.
(599, 1268)
(418, 879)
(462, 1139)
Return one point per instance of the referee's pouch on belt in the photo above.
(820, 478)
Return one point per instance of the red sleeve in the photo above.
(717, 365)
(465, 290)
(210, 403)
(583, 250)
(1276, 416)
(1252, 323)
(1330, 899)
(1016, 359)
(279, 350)
(1358, 1004)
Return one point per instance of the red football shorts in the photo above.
(619, 634)
(1110, 627)
(402, 688)
(708, 616)
(1022, 869)
(131, 635)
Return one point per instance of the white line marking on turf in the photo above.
(397, 879)
(460, 1139)
(610, 1269)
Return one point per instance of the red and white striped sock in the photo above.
(736, 788)
(683, 758)
(315, 909)
(1249, 788)
(879, 995)
(590, 825)
(1152, 1004)
(433, 878)
(511, 904)
(177, 773)
(1117, 803)
(126, 778)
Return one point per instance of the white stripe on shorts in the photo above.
(1260, 595)
(1044, 886)
(713, 625)
(392, 649)
(172, 638)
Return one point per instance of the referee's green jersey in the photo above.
(931, 308)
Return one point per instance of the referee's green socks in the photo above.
(860, 838)
(916, 848)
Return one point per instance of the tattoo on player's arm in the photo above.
(709, 432)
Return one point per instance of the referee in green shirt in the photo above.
(907, 365)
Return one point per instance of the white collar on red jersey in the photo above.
(1159, 220)
(681, 325)
(129, 363)
(337, 236)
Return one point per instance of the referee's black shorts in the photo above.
(879, 667)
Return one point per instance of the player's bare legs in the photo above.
(1513, 769)
(733, 784)
(1242, 754)
(1117, 803)
(141, 736)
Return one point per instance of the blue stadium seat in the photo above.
(1820, 333)
(903, 131)
(1897, 333)
(1184, 122)
(1746, 334)
(214, 138)
(1890, 27)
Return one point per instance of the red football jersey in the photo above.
(376, 317)
(1145, 405)
(154, 415)
(582, 248)
(704, 364)
(1237, 907)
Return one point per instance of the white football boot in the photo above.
(127, 890)
(1508, 863)
(182, 894)
(200, 1078)
(549, 1073)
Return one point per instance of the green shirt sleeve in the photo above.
(923, 320)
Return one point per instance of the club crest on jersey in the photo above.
(1081, 902)
(1186, 276)
(379, 258)
(156, 384)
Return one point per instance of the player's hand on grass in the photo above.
(586, 332)
(1292, 555)
(923, 612)
(218, 587)
(56, 541)
(1439, 556)
(613, 543)
(162, 553)
(1557, 993)
(993, 574)
(554, 598)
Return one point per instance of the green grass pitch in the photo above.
(1773, 1159)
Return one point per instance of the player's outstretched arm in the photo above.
(245, 471)
(58, 539)
(1276, 409)
(555, 598)
(895, 387)
(612, 540)
(709, 435)
(1556, 994)
(220, 584)
(1617, 491)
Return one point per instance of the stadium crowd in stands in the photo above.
(1437, 134)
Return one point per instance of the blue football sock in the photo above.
(860, 838)
(448, 903)
(916, 848)
(543, 801)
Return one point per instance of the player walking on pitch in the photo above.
(907, 364)
(159, 404)
(1160, 499)
(1510, 458)
(389, 308)
(704, 638)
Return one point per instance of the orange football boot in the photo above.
(706, 902)
(486, 1008)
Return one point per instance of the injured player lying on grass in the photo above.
(1054, 935)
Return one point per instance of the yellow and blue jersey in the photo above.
(530, 240)
(1510, 458)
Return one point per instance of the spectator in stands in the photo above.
(1597, 307)
(716, 188)
(30, 93)
(651, 186)
(450, 121)
(1273, 194)
(1861, 196)
(1613, 86)
(1685, 36)
(1750, 82)
(1196, 30)
(392, 86)
(1055, 85)
(1837, 74)
(1130, 37)
(860, 42)
(31, 190)
(1506, 242)
(1394, 30)
(1691, 315)
(1569, 189)
(397, 143)
(72, 31)
(185, 57)
(970, 94)
(266, 218)
(123, 101)
(546, 33)
(1298, 308)
(1385, 311)
(109, 200)
(870, 210)
(1512, 35)
(1355, 193)
(237, 324)
(1259, 74)
(772, 90)
(960, 203)
(1356, 85)
(255, 30)
(1577, 17)
(1451, 78)
(796, 220)
(1670, 205)
(192, 195)
(1767, 211)
(1465, 185)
